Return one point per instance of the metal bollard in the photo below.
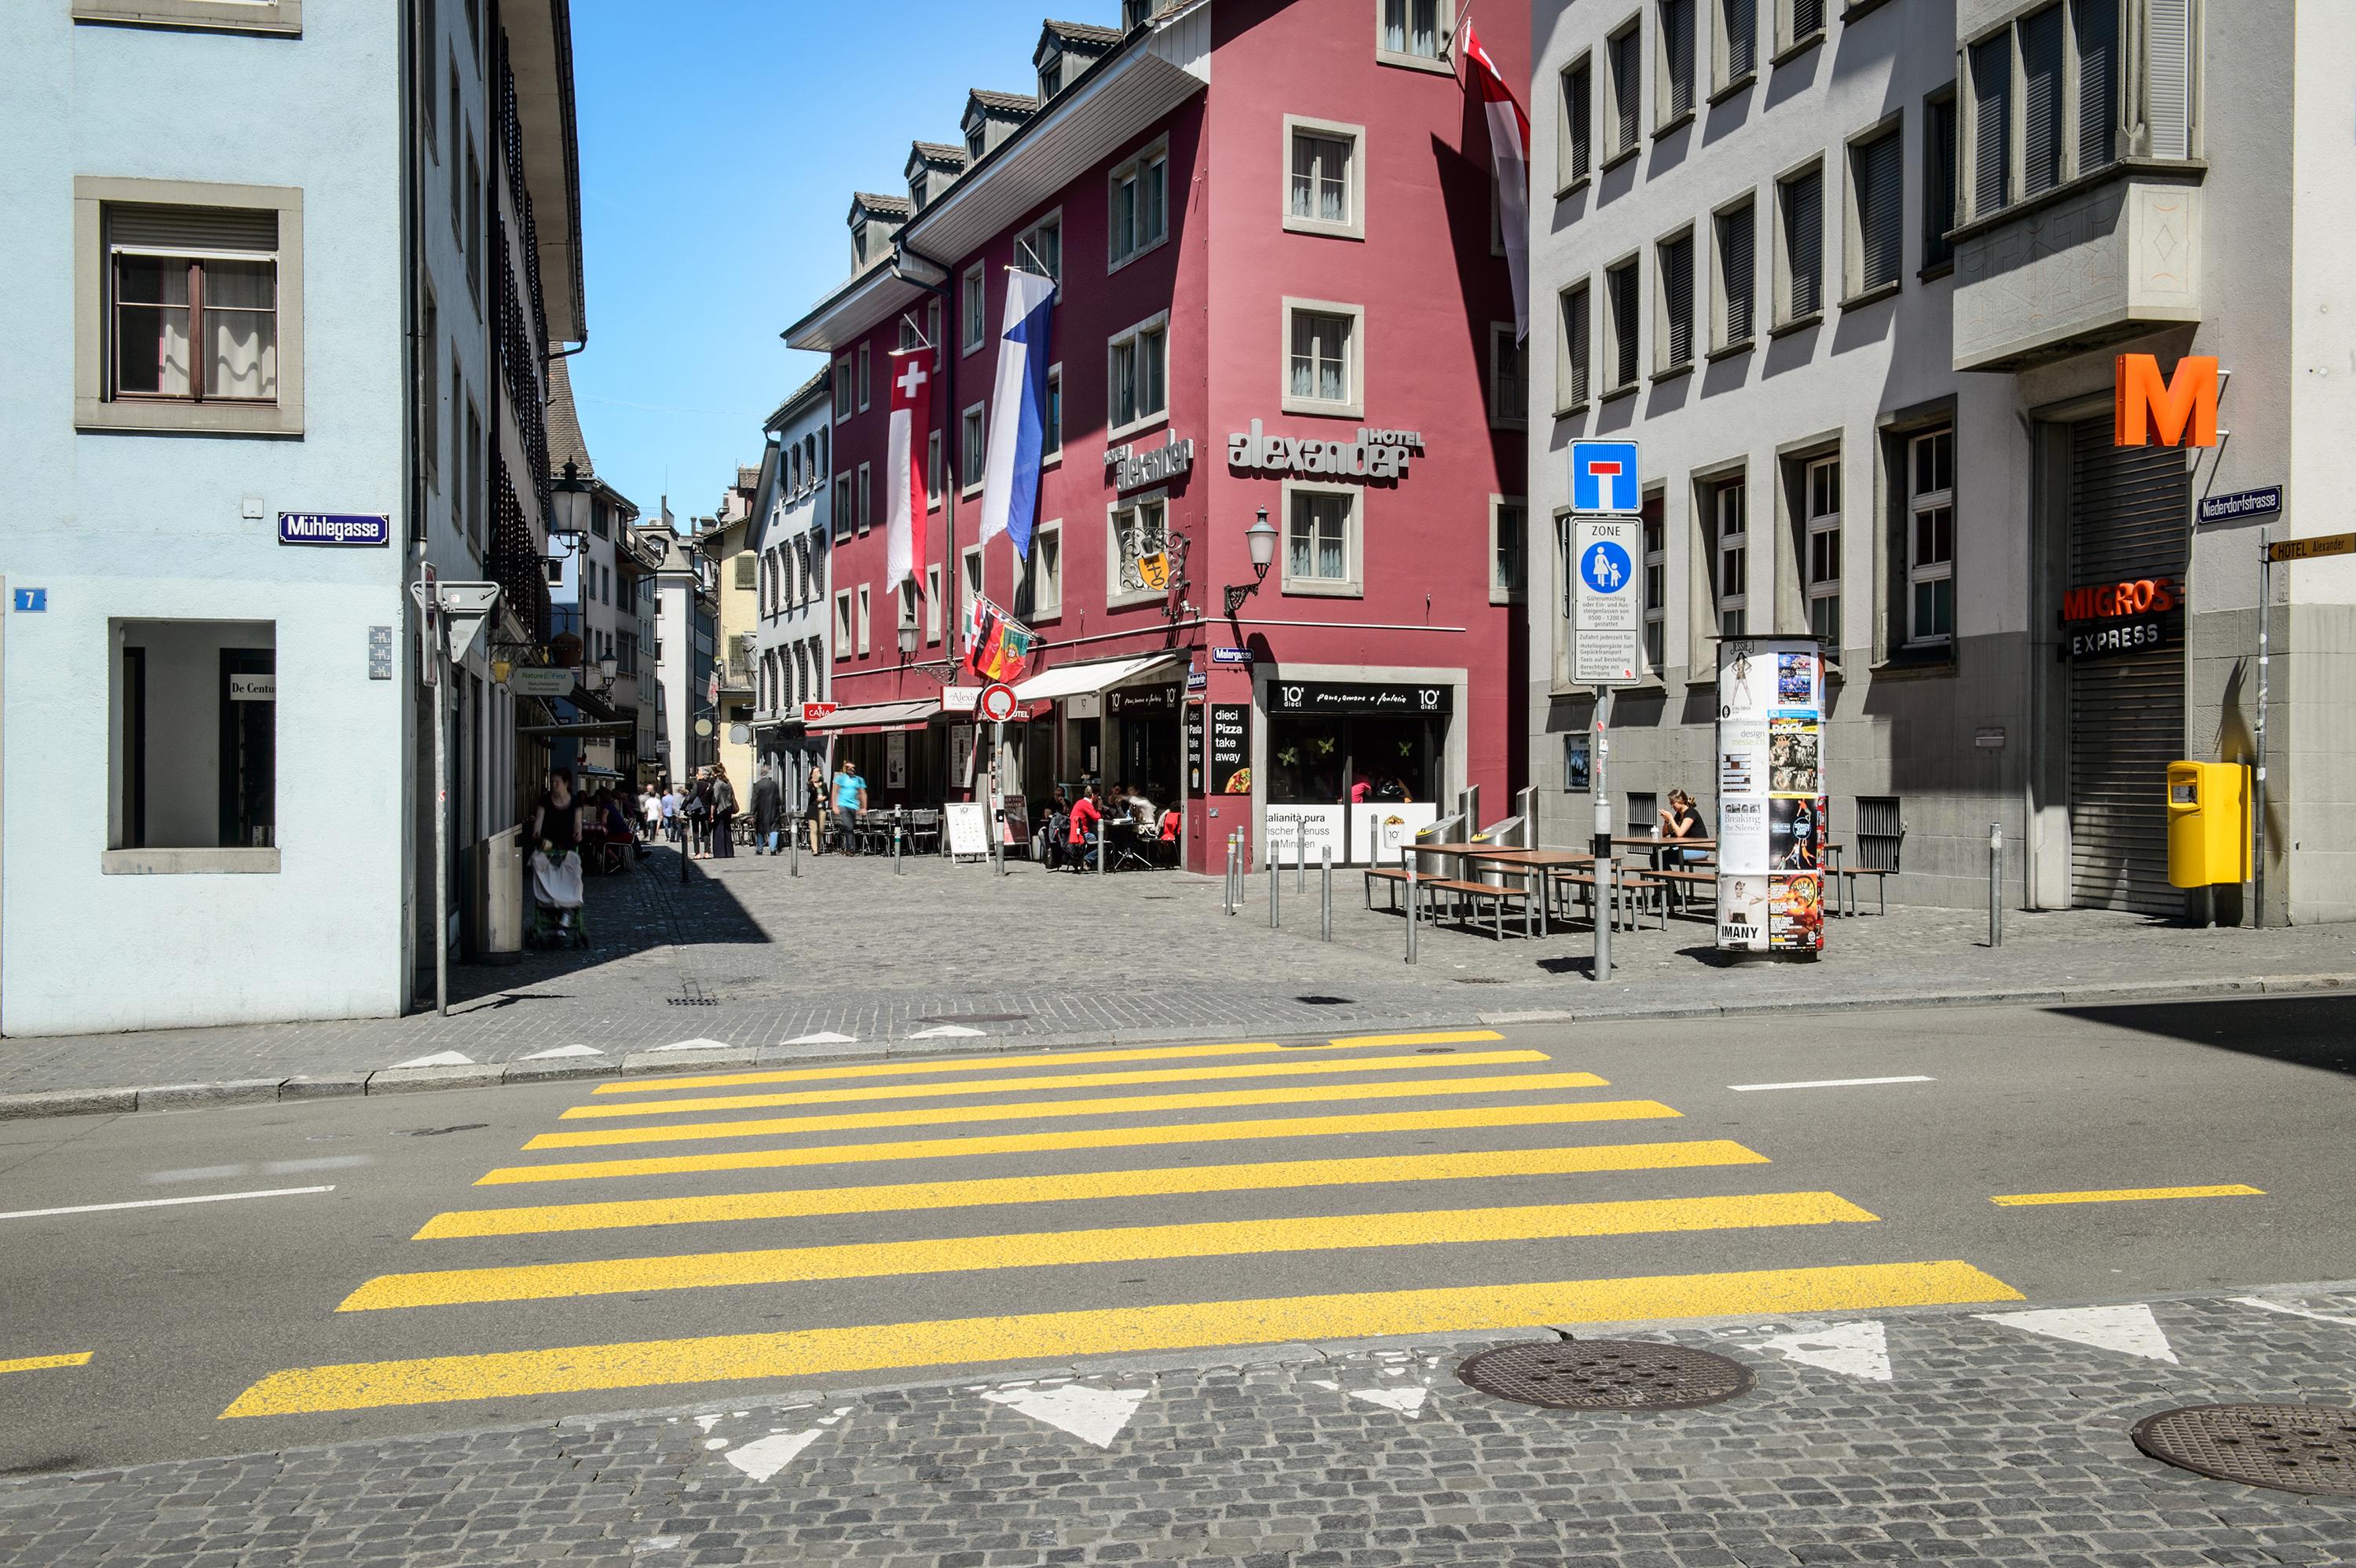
(1410, 858)
(1325, 894)
(1996, 884)
(1235, 877)
(1607, 915)
(1274, 885)
(794, 845)
(1300, 863)
(895, 843)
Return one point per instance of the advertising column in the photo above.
(1771, 796)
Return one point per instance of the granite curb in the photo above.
(34, 1103)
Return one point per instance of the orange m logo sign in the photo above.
(2185, 408)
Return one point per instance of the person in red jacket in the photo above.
(1088, 820)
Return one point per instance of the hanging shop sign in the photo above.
(334, 528)
(2181, 410)
(1231, 747)
(1773, 800)
(1375, 454)
(1134, 467)
(539, 682)
(2120, 601)
(814, 711)
(1338, 697)
(1142, 701)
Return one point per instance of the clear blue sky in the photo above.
(720, 143)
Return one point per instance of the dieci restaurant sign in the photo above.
(1375, 454)
(1134, 467)
(1330, 697)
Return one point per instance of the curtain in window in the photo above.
(2041, 101)
(1320, 175)
(151, 325)
(1318, 368)
(1318, 546)
(1394, 26)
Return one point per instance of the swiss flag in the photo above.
(905, 460)
(1509, 157)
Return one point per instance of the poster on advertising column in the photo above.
(1772, 799)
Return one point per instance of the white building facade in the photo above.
(1856, 279)
(792, 644)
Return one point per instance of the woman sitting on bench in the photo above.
(1682, 821)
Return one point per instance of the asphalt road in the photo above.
(742, 1260)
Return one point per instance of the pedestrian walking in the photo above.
(555, 829)
(669, 800)
(850, 800)
(816, 806)
(768, 810)
(723, 815)
(649, 813)
(696, 812)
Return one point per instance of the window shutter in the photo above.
(1735, 234)
(1623, 87)
(2098, 82)
(1880, 183)
(1742, 37)
(1623, 326)
(2041, 101)
(1803, 237)
(192, 228)
(1807, 16)
(2170, 53)
(1578, 89)
(1991, 123)
(1677, 40)
(1677, 276)
(1939, 182)
(1574, 333)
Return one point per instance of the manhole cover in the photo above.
(2289, 1447)
(976, 1019)
(1606, 1374)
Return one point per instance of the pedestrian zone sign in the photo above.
(1608, 616)
(1603, 477)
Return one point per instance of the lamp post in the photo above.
(1261, 537)
(572, 505)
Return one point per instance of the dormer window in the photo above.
(1051, 74)
(858, 244)
(1133, 12)
(917, 190)
(973, 142)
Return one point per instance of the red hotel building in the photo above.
(1281, 290)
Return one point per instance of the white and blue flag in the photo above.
(1018, 413)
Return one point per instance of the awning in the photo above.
(605, 729)
(1079, 679)
(873, 718)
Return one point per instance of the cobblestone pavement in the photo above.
(749, 956)
(1982, 1440)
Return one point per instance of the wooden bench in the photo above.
(1688, 880)
(1473, 893)
(1848, 875)
(1638, 882)
(1393, 876)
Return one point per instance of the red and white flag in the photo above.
(906, 458)
(1509, 157)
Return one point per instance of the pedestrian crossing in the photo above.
(1414, 1218)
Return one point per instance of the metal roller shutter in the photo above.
(2129, 506)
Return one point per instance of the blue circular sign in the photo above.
(1605, 567)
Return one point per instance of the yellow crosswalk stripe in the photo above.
(899, 1197)
(1117, 1105)
(1298, 1067)
(1128, 1243)
(995, 1063)
(1452, 1119)
(44, 1363)
(2124, 1195)
(1125, 1330)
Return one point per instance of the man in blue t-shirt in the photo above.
(850, 800)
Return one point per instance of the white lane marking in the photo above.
(1405, 1401)
(765, 1456)
(564, 1050)
(200, 1173)
(162, 1202)
(823, 1037)
(1093, 1416)
(2130, 1331)
(1831, 1083)
(699, 1042)
(948, 1032)
(439, 1058)
(268, 1168)
(2287, 1310)
(1853, 1350)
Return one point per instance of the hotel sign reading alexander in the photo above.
(1375, 454)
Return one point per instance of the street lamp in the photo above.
(571, 504)
(608, 668)
(1261, 537)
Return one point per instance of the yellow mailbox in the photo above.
(2208, 823)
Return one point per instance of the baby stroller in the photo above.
(1054, 852)
(557, 917)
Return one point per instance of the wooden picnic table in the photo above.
(1534, 864)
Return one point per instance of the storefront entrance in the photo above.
(1352, 767)
(1144, 723)
(2124, 640)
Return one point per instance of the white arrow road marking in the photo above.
(564, 1050)
(439, 1058)
(823, 1037)
(1853, 1350)
(1091, 1414)
(1830, 1084)
(765, 1456)
(699, 1043)
(946, 1031)
(708, 1421)
(2287, 1310)
(2130, 1331)
(163, 1202)
(1405, 1401)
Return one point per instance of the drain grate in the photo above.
(975, 1018)
(1606, 1374)
(1325, 1001)
(2289, 1448)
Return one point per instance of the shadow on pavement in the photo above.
(2305, 1031)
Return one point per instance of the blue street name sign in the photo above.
(334, 528)
(1231, 655)
(2242, 506)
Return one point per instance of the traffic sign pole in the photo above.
(1607, 501)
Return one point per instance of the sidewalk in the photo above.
(851, 958)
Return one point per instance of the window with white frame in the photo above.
(866, 618)
(1140, 195)
(1574, 153)
(1673, 66)
(932, 603)
(866, 497)
(970, 564)
(1734, 43)
(1039, 591)
(1619, 306)
(1931, 539)
(1656, 584)
(1800, 263)
(1137, 375)
(1737, 291)
(1573, 349)
(973, 315)
(1509, 377)
(1508, 549)
(1040, 248)
(1673, 346)
(1135, 529)
(1820, 531)
(843, 391)
(1413, 32)
(1876, 221)
(866, 382)
(1051, 418)
(1321, 358)
(1323, 185)
(1622, 64)
(1322, 541)
(1798, 22)
(972, 453)
(843, 629)
(1729, 514)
